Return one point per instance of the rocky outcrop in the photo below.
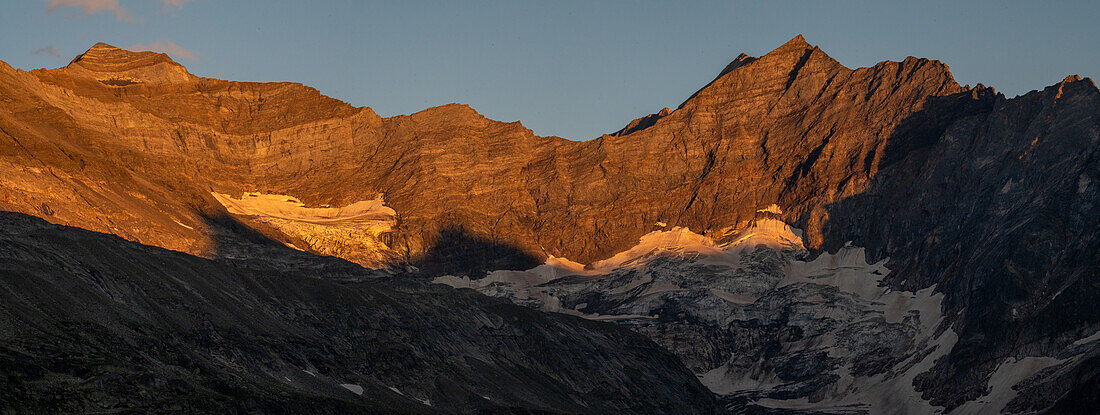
(639, 124)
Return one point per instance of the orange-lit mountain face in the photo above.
(961, 226)
(132, 144)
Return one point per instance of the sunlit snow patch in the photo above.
(351, 232)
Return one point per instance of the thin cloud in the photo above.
(166, 46)
(48, 50)
(178, 4)
(93, 7)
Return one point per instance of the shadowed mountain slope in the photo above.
(1000, 210)
(94, 323)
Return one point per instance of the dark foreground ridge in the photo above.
(94, 323)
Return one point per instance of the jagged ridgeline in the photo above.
(792, 127)
(796, 234)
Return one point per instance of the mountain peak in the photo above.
(797, 41)
(103, 54)
(788, 58)
(118, 67)
(101, 45)
(795, 46)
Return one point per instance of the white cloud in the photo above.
(93, 7)
(48, 50)
(166, 46)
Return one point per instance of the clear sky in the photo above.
(575, 69)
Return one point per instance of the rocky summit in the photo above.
(795, 237)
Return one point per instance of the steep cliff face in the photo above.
(792, 127)
(999, 210)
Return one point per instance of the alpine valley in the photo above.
(796, 237)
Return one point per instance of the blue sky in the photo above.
(575, 69)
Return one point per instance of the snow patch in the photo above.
(772, 233)
(1008, 374)
(1089, 339)
(352, 232)
(772, 208)
(356, 389)
(678, 241)
(527, 287)
(290, 208)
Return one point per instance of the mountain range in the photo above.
(796, 236)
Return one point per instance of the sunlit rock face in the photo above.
(130, 143)
(113, 66)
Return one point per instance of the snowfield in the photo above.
(823, 333)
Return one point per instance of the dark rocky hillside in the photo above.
(92, 323)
